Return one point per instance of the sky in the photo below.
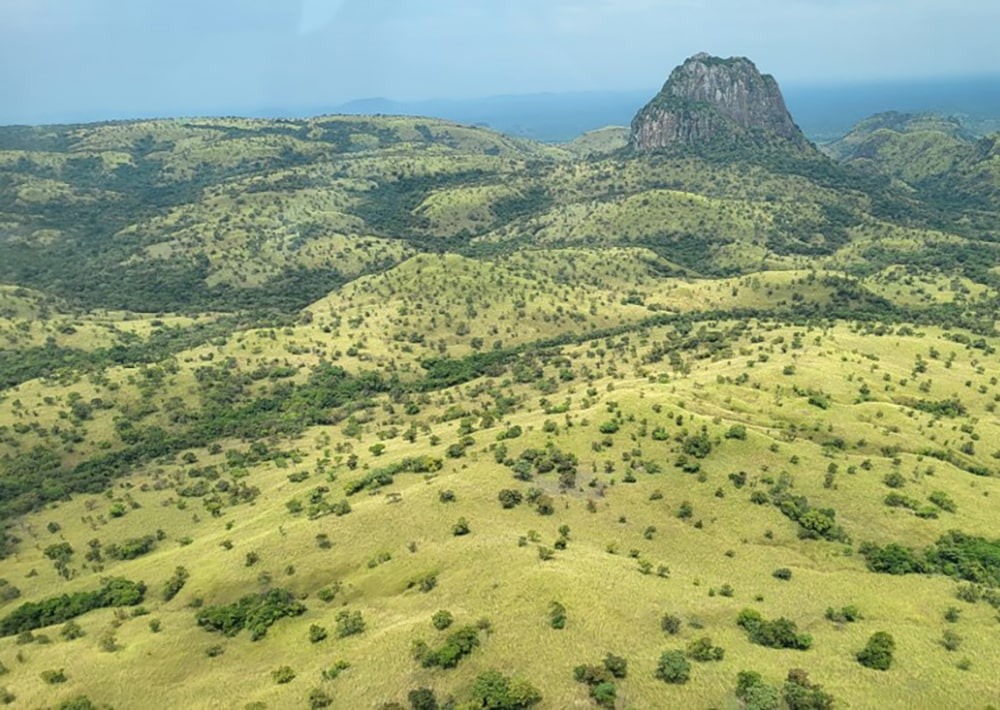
(65, 60)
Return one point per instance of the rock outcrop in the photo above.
(708, 99)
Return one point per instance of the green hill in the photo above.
(321, 413)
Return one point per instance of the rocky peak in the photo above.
(708, 98)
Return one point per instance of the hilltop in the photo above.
(709, 99)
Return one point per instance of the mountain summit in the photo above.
(709, 98)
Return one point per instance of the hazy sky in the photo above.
(87, 59)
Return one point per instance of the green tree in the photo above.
(877, 653)
(673, 667)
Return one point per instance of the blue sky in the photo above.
(88, 59)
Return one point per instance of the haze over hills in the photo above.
(382, 411)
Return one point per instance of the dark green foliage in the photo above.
(702, 650)
(283, 674)
(175, 584)
(460, 528)
(349, 623)
(317, 633)
(844, 615)
(943, 501)
(495, 691)
(877, 653)
(779, 633)
(52, 677)
(754, 693)
(376, 478)
(458, 645)
(617, 665)
(71, 630)
(442, 619)
(77, 702)
(255, 612)
(131, 548)
(557, 615)
(814, 523)
(54, 610)
(509, 498)
(955, 554)
(801, 694)
(422, 699)
(318, 699)
(673, 667)
(943, 408)
(671, 623)
(782, 573)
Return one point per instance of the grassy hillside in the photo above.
(322, 413)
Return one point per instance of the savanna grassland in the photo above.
(392, 412)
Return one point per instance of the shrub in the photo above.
(442, 620)
(616, 665)
(457, 646)
(116, 591)
(800, 694)
(494, 690)
(782, 573)
(317, 633)
(422, 699)
(175, 583)
(847, 614)
(256, 612)
(319, 699)
(509, 498)
(754, 693)
(557, 615)
(461, 527)
(673, 667)
(779, 633)
(52, 677)
(671, 623)
(703, 651)
(283, 674)
(877, 653)
(349, 623)
(71, 630)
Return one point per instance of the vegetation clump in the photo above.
(255, 612)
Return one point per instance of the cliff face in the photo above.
(708, 98)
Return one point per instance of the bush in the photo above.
(317, 633)
(442, 620)
(671, 623)
(116, 591)
(673, 667)
(779, 633)
(461, 527)
(782, 573)
(175, 583)
(256, 612)
(877, 654)
(52, 677)
(509, 498)
(703, 651)
(800, 694)
(496, 691)
(847, 614)
(616, 665)
(458, 645)
(422, 699)
(319, 699)
(557, 615)
(349, 623)
(754, 693)
(283, 674)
